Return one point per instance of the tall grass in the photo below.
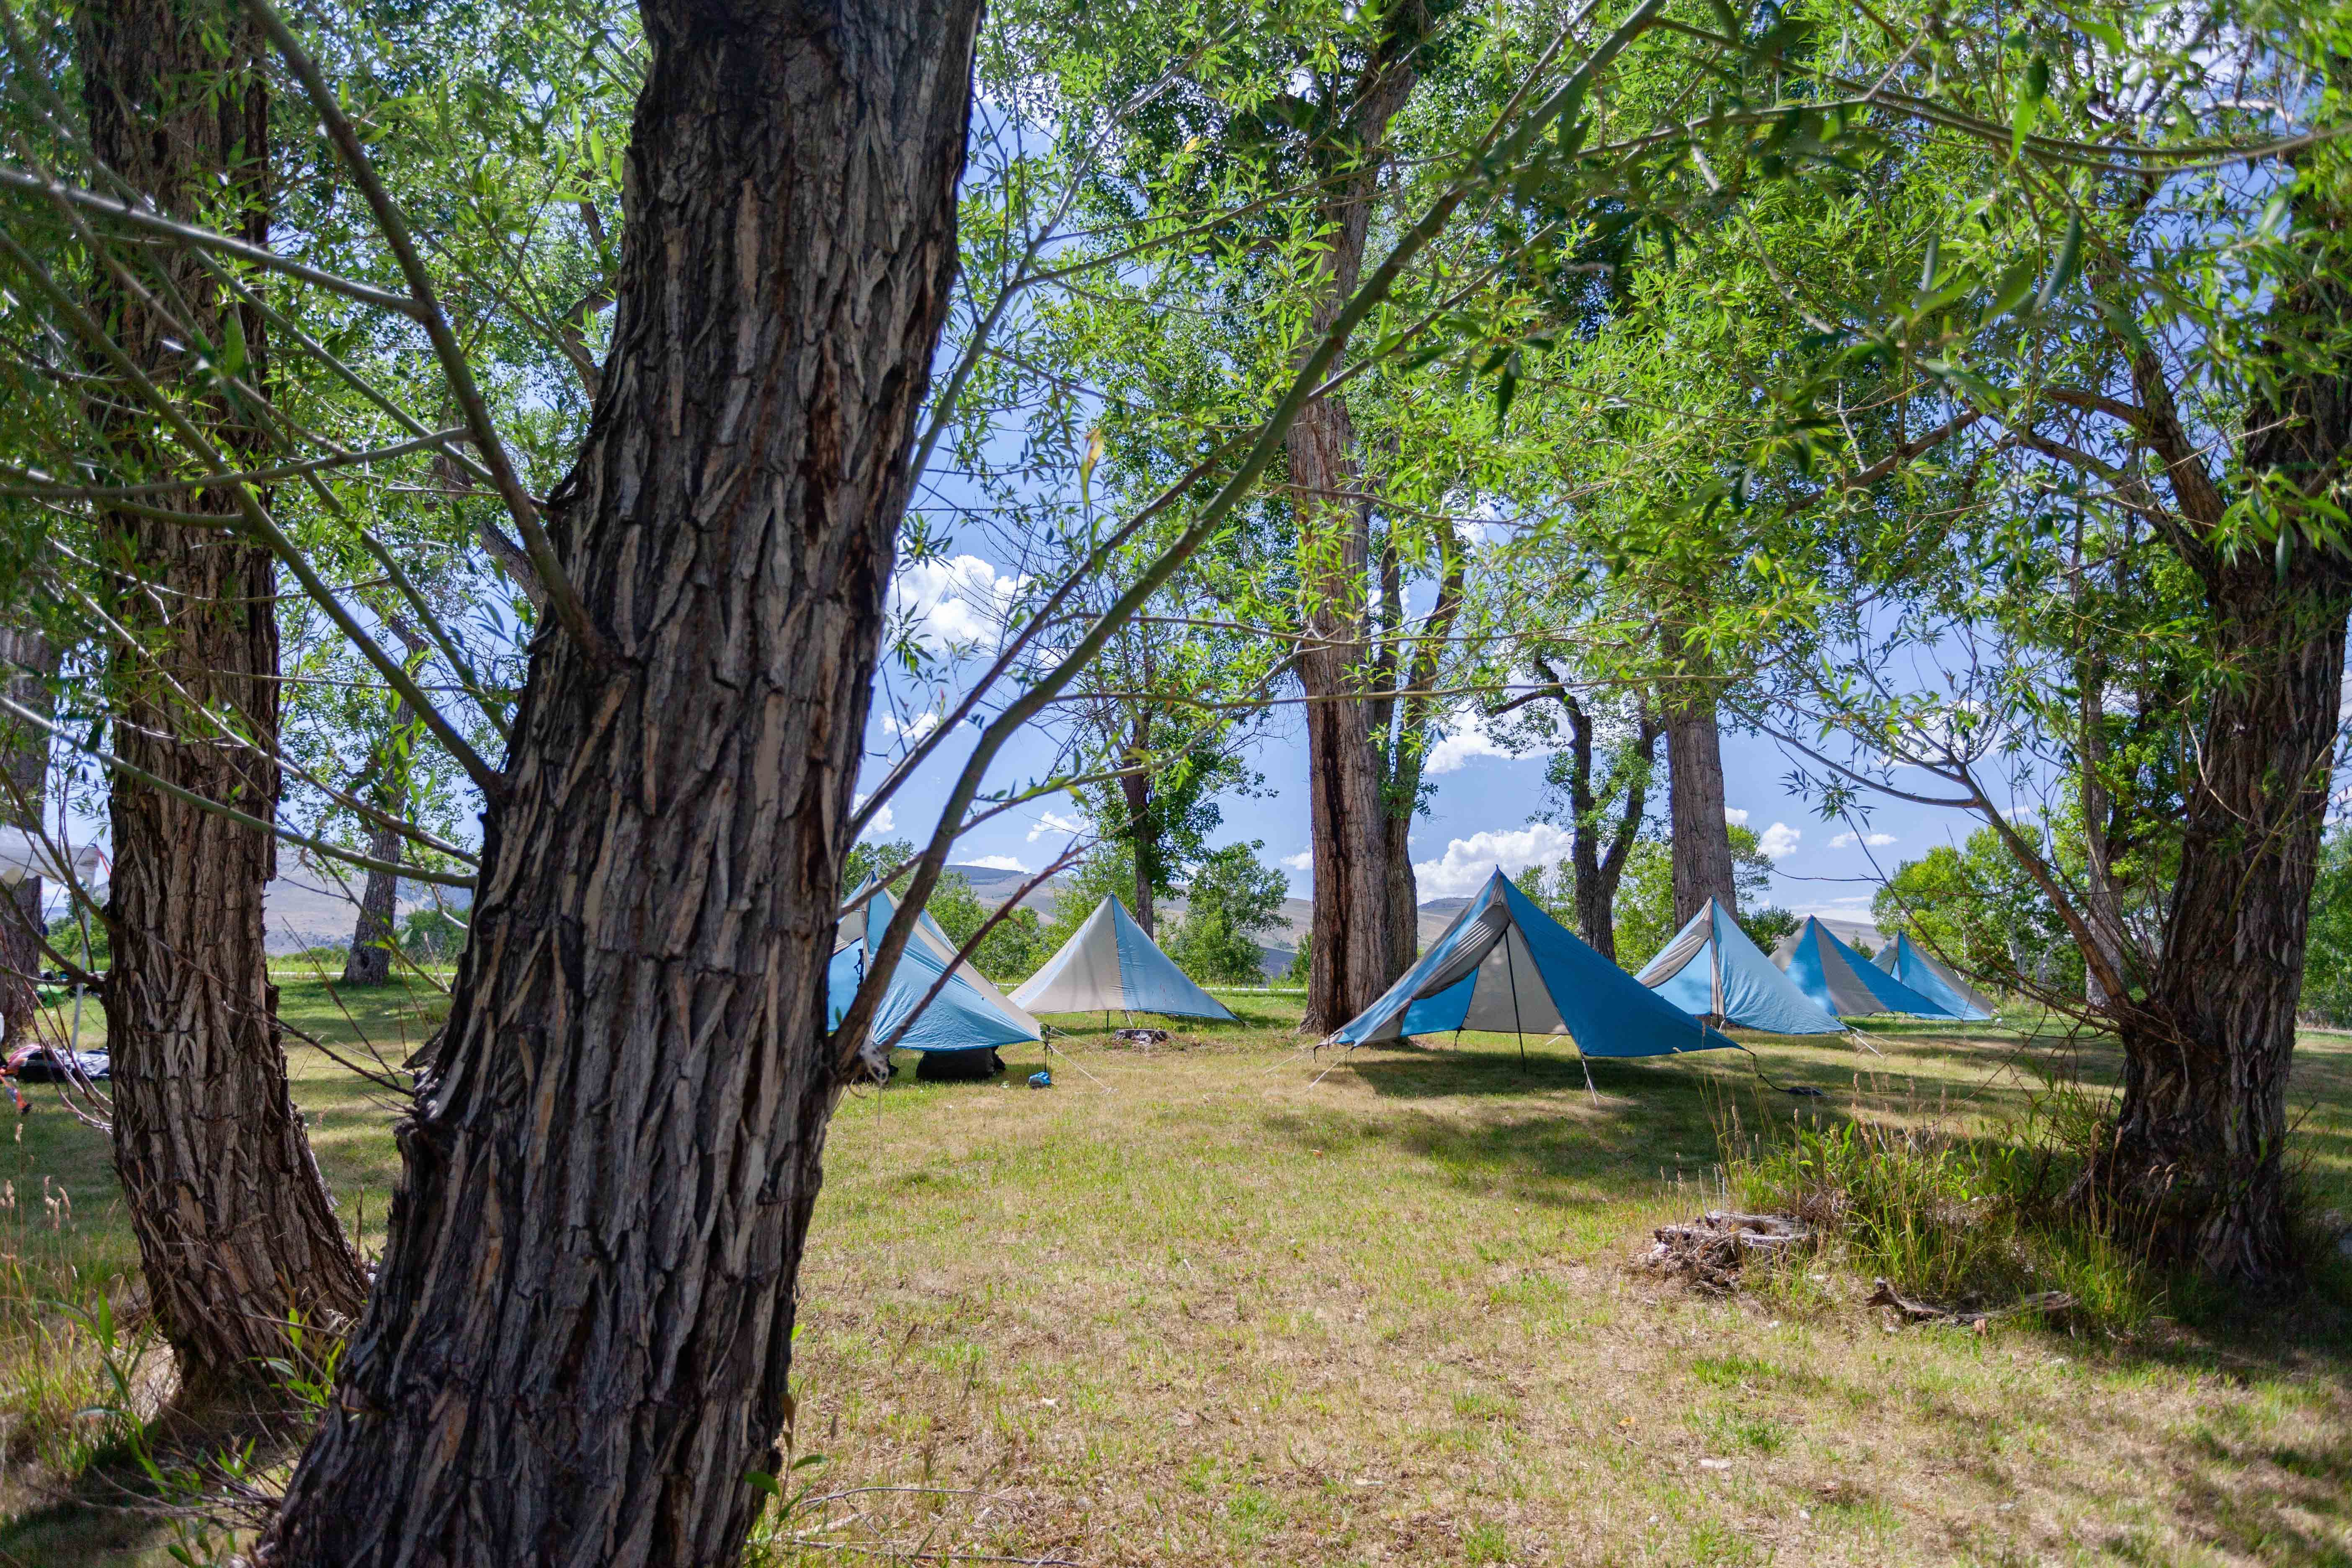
(1947, 1203)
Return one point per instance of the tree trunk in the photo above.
(1414, 717)
(25, 758)
(1356, 954)
(2195, 1167)
(237, 1232)
(1702, 833)
(1142, 834)
(369, 962)
(580, 1336)
(1600, 868)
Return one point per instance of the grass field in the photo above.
(1221, 1302)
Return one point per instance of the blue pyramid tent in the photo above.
(1710, 970)
(1842, 980)
(1505, 965)
(1903, 959)
(1108, 965)
(970, 1014)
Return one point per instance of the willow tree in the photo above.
(236, 1231)
(2134, 371)
(646, 969)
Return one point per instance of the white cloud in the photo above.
(883, 821)
(1734, 816)
(1876, 840)
(1302, 861)
(1779, 841)
(1468, 862)
(995, 863)
(1466, 738)
(960, 602)
(923, 725)
(1054, 822)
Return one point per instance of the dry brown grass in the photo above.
(1195, 1307)
(1209, 1310)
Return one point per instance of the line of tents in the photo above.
(1504, 965)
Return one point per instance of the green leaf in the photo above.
(2070, 261)
(761, 1481)
(2029, 104)
(2009, 290)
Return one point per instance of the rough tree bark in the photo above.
(580, 1336)
(370, 961)
(26, 655)
(235, 1229)
(2195, 1166)
(1600, 868)
(1701, 833)
(1135, 788)
(1359, 949)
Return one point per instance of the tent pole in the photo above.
(1511, 967)
(1585, 1062)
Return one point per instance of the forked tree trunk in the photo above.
(581, 1331)
(1701, 833)
(1599, 857)
(236, 1230)
(25, 658)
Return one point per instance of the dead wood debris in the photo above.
(1710, 1252)
(1885, 1295)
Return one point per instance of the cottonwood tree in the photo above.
(2136, 354)
(631, 1093)
(236, 1231)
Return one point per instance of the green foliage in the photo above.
(1646, 897)
(1769, 924)
(867, 859)
(1231, 898)
(65, 935)
(1976, 909)
(1014, 945)
(429, 936)
(2328, 957)
(1960, 1213)
(1301, 967)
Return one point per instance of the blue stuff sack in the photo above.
(1042, 1080)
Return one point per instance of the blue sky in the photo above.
(1479, 818)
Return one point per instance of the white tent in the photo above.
(23, 855)
(928, 942)
(1108, 965)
